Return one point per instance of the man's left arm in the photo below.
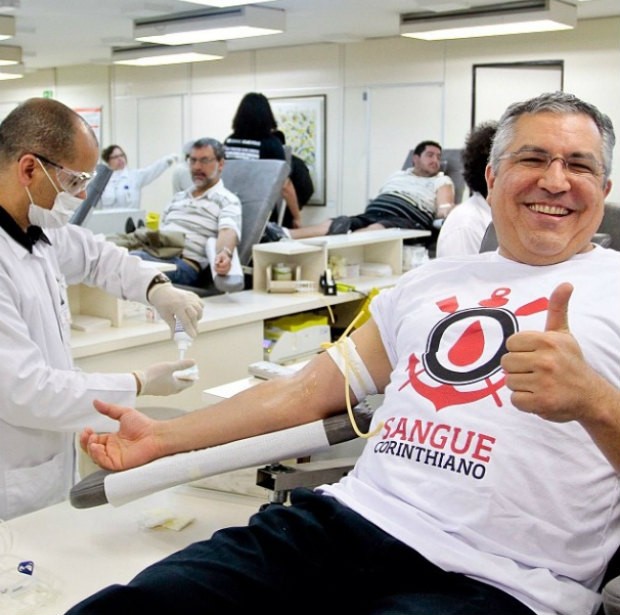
(549, 376)
(444, 200)
(224, 248)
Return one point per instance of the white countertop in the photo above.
(82, 551)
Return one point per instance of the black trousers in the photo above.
(313, 556)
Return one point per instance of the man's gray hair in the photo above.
(218, 148)
(552, 102)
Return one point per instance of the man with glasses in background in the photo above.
(206, 209)
(47, 156)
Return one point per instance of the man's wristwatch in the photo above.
(160, 278)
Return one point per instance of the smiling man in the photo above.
(550, 182)
(489, 481)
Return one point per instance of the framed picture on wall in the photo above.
(302, 120)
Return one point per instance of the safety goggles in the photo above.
(70, 181)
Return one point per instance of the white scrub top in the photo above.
(124, 187)
(44, 400)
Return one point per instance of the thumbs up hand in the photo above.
(546, 370)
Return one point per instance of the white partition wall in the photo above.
(160, 132)
(399, 117)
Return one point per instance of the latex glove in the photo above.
(159, 379)
(173, 159)
(171, 302)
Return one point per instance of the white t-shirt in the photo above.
(421, 190)
(462, 231)
(456, 472)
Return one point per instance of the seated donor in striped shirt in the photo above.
(206, 209)
(410, 199)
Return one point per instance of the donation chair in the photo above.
(258, 184)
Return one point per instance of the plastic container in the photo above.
(282, 272)
(152, 220)
(181, 339)
(376, 270)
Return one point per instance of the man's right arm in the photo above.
(313, 393)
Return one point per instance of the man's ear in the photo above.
(26, 166)
(490, 177)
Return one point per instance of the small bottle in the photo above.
(182, 339)
(282, 272)
(183, 342)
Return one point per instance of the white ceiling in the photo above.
(55, 33)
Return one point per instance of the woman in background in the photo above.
(253, 138)
(124, 187)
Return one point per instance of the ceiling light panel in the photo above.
(10, 55)
(225, 3)
(159, 55)
(495, 20)
(211, 25)
(7, 27)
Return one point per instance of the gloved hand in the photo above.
(159, 379)
(173, 159)
(173, 302)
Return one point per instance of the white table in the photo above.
(83, 551)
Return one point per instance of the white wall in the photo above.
(370, 89)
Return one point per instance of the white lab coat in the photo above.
(43, 398)
(124, 187)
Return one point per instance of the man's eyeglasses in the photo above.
(540, 160)
(201, 161)
(70, 181)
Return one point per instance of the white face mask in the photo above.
(59, 215)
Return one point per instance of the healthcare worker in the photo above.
(124, 187)
(47, 155)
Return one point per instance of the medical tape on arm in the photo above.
(344, 354)
(357, 378)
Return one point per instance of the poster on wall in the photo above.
(92, 115)
(302, 120)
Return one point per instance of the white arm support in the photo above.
(118, 488)
(234, 280)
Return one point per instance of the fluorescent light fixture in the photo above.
(10, 55)
(7, 27)
(158, 55)
(9, 6)
(506, 18)
(210, 25)
(15, 71)
(226, 3)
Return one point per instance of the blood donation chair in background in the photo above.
(93, 194)
(258, 184)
